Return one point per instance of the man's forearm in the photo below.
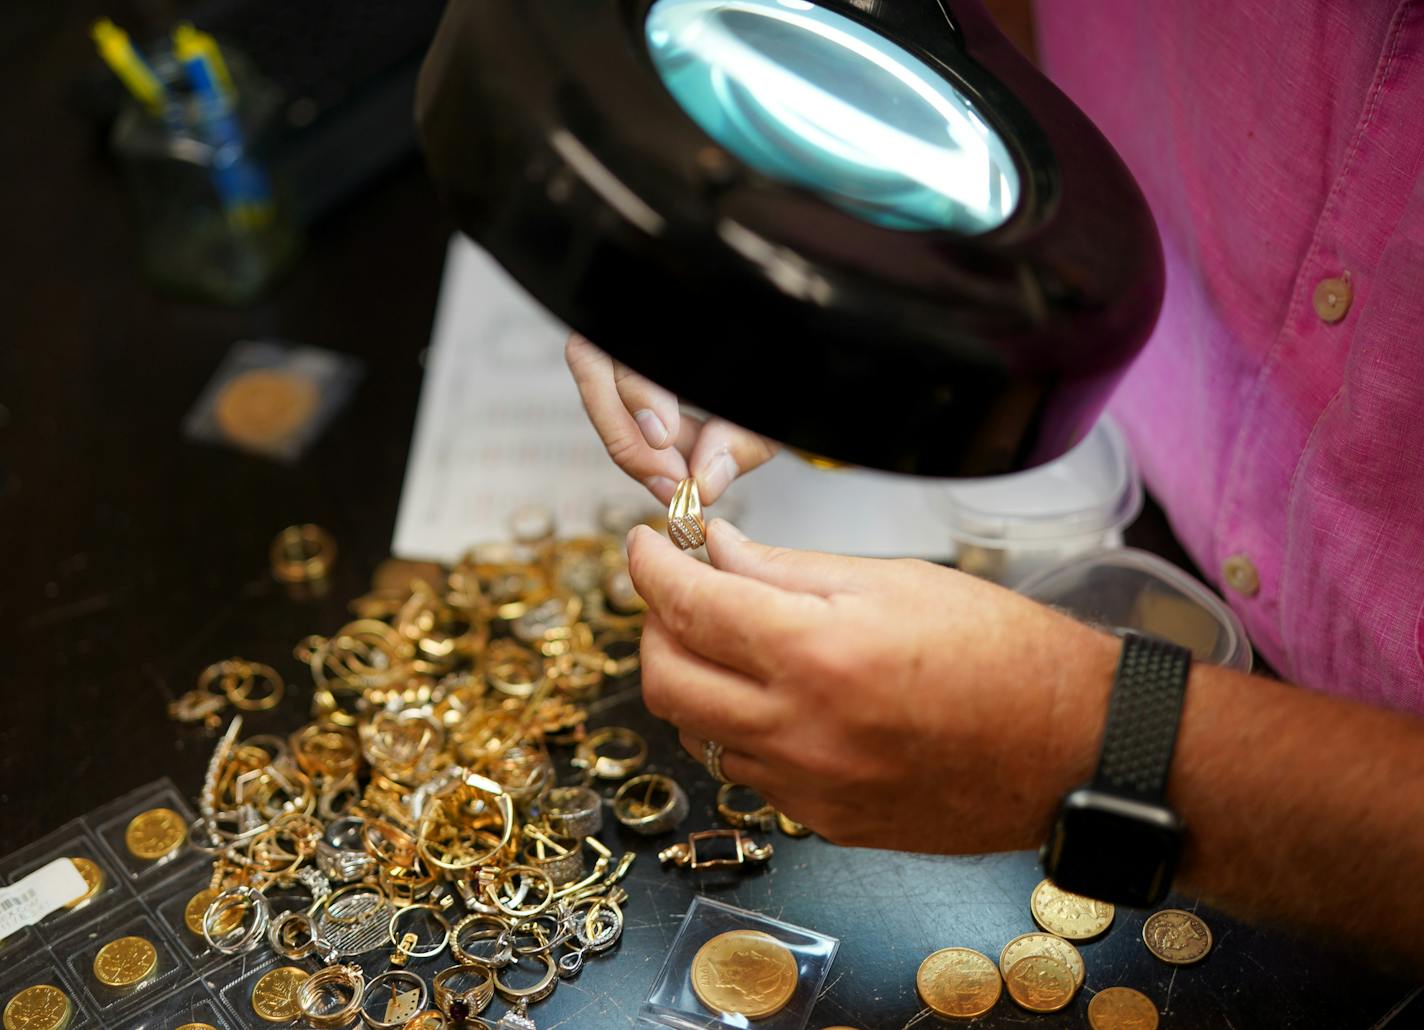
(1300, 808)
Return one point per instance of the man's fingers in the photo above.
(700, 696)
(722, 453)
(731, 620)
(737, 766)
(654, 409)
(658, 470)
(809, 572)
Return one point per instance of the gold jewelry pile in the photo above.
(418, 811)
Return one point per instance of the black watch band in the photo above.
(1143, 712)
(1116, 839)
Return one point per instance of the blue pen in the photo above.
(242, 186)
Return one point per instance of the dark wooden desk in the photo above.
(133, 557)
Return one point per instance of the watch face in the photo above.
(1125, 853)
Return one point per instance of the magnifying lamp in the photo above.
(869, 229)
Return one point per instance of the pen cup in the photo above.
(213, 223)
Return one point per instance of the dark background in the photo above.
(133, 557)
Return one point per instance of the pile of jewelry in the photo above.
(416, 822)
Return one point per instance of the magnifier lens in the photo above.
(814, 98)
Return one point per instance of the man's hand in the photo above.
(891, 704)
(649, 438)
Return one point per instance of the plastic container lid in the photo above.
(1126, 588)
(1094, 489)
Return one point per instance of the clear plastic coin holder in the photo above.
(190, 1007)
(769, 985)
(273, 398)
(235, 983)
(111, 825)
(168, 901)
(80, 949)
(18, 944)
(42, 971)
(72, 840)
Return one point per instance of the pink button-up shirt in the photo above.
(1280, 144)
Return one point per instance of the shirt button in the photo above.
(1332, 298)
(1241, 575)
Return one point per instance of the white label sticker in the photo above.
(37, 895)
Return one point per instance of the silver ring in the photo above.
(250, 935)
(573, 811)
(712, 759)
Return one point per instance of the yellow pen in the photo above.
(119, 54)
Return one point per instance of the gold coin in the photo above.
(262, 407)
(1070, 916)
(155, 834)
(1040, 984)
(1121, 1008)
(125, 962)
(1176, 937)
(41, 1007)
(959, 982)
(197, 909)
(274, 995)
(1054, 947)
(93, 881)
(744, 973)
(197, 1026)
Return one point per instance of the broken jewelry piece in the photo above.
(695, 854)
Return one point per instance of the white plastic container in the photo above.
(1005, 528)
(1131, 589)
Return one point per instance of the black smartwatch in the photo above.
(1115, 839)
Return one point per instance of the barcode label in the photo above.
(37, 895)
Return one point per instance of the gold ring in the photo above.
(610, 767)
(301, 554)
(684, 518)
(759, 817)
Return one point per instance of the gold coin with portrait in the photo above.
(41, 1007)
(1121, 1008)
(197, 1026)
(1070, 916)
(1040, 984)
(744, 973)
(155, 834)
(93, 880)
(1176, 937)
(125, 962)
(1053, 946)
(959, 982)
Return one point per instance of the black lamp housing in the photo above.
(558, 148)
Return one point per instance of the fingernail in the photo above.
(653, 429)
(660, 486)
(717, 475)
(723, 526)
(628, 540)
